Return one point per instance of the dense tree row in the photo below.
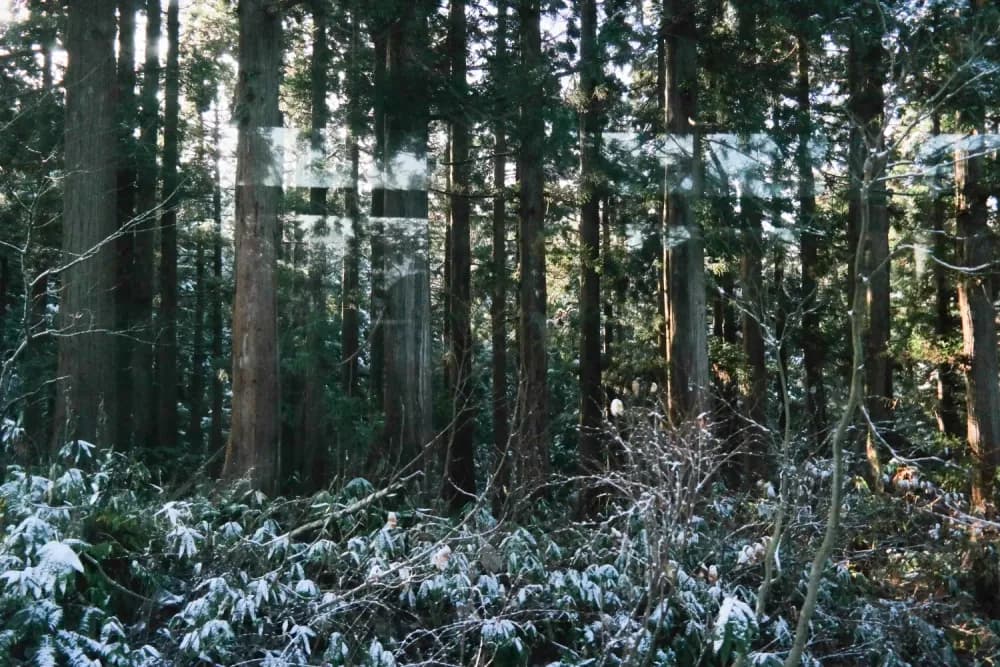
(746, 218)
(662, 69)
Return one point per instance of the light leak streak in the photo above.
(752, 165)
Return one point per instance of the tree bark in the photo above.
(39, 407)
(531, 465)
(591, 396)
(407, 346)
(350, 323)
(166, 357)
(754, 388)
(253, 443)
(196, 387)
(219, 364)
(866, 78)
(86, 398)
(979, 335)
(460, 466)
(662, 296)
(380, 84)
(126, 107)
(311, 460)
(687, 357)
(498, 301)
(142, 237)
(350, 340)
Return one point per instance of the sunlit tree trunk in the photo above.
(407, 321)
(86, 404)
(866, 78)
(253, 440)
(684, 260)
(979, 334)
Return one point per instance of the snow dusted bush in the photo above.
(55, 605)
(100, 566)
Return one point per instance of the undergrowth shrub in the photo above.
(101, 566)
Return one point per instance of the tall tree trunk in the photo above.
(531, 464)
(979, 335)
(86, 401)
(311, 460)
(196, 387)
(166, 358)
(350, 337)
(754, 388)
(350, 303)
(126, 210)
(866, 78)
(314, 459)
(947, 402)
(39, 407)
(460, 466)
(591, 398)
(254, 437)
(662, 296)
(407, 346)
(219, 365)
(498, 301)
(380, 85)
(812, 343)
(142, 237)
(684, 255)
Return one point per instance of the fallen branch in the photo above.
(350, 509)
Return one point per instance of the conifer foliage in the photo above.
(499, 332)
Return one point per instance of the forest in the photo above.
(499, 332)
